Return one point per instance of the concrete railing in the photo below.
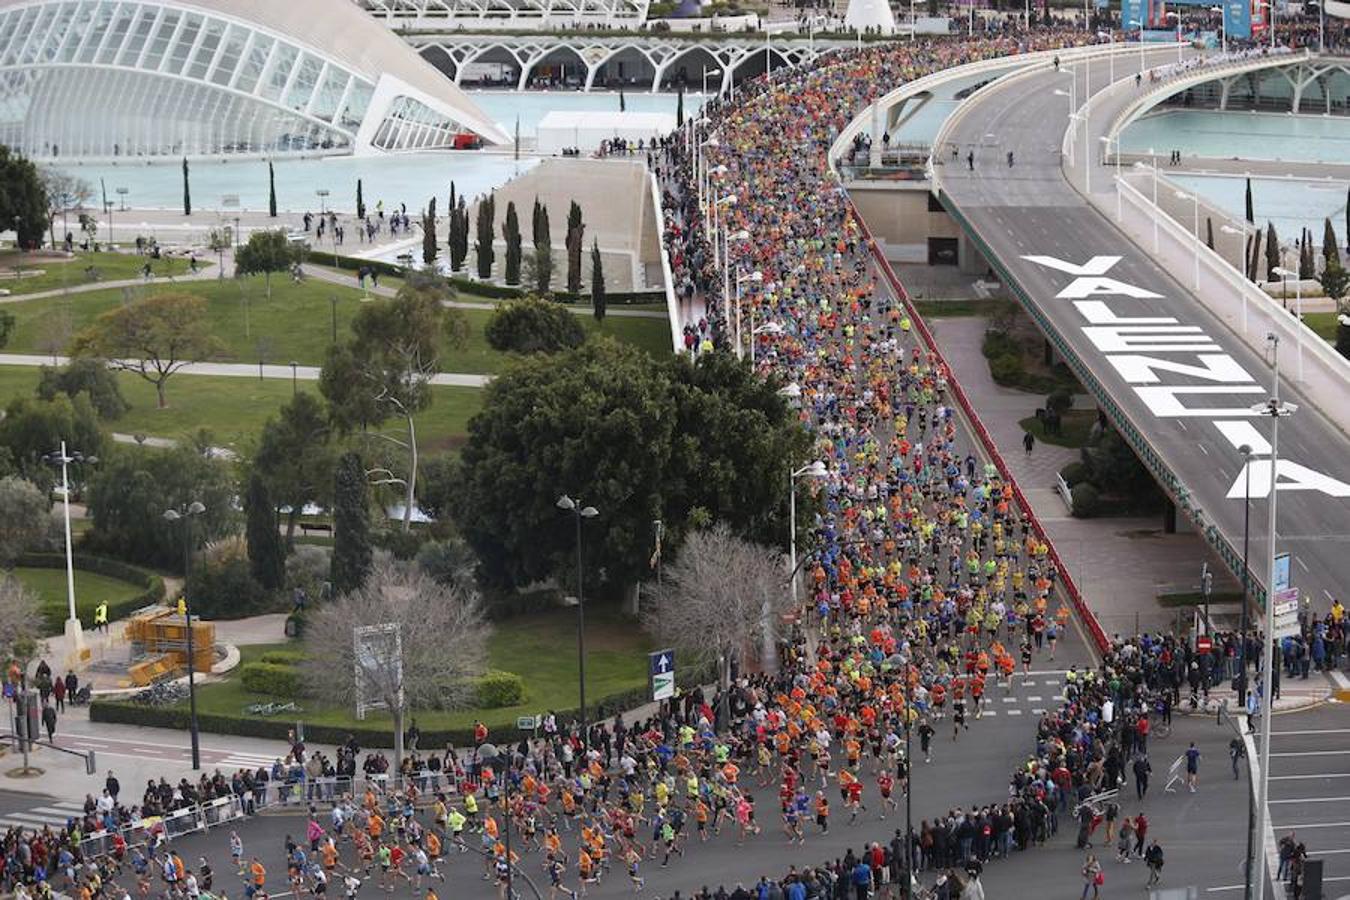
(1288, 326)
(672, 304)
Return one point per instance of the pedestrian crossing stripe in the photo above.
(55, 815)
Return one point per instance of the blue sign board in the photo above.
(1132, 12)
(1237, 19)
(661, 673)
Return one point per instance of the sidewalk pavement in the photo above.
(246, 370)
(1120, 564)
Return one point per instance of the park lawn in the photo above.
(234, 409)
(296, 324)
(957, 309)
(60, 272)
(1324, 324)
(539, 647)
(91, 589)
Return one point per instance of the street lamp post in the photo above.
(1244, 628)
(742, 277)
(767, 328)
(322, 194)
(579, 512)
(1106, 140)
(1285, 275)
(185, 515)
(1223, 29)
(1276, 411)
(815, 469)
(295, 388)
(1195, 232)
(122, 192)
(74, 631)
(1242, 246)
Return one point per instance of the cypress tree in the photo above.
(483, 244)
(511, 233)
(271, 191)
(622, 107)
(679, 108)
(187, 190)
(1272, 251)
(1331, 250)
(597, 283)
(1307, 265)
(1251, 217)
(360, 201)
(543, 251)
(351, 525)
(576, 236)
(452, 197)
(1254, 258)
(1209, 232)
(429, 233)
(266, 552)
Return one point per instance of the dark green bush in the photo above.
(283, 657)
(533, 326)
(1006, 369)
(402, 544)
(225, 589)
(270, 678)
(497, 689)
(1086, 500)
(1074, 473)
(1059, 400)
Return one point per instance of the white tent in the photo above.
(586, 129)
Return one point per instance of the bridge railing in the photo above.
(672, 303)
(1066, 579)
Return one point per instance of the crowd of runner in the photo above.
(927, 591)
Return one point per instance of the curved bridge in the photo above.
(1175, 380)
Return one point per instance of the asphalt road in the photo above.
(1030, 209)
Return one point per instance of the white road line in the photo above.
(1035, 698)
(1038, 712)
(1326, 852)
(1203, 450)
(1225, 887)
(1306, 777)
(1009, 699)
(1301, 563)
(1312, 800)
(1315, 825)
(1033, 684)
(1014, 712)
(1310, 753)
(1313, 731)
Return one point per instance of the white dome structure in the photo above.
(157, 78)
(869, 14)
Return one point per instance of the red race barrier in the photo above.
(1070, 586)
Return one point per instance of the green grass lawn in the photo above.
(1322, 323)
(952, 309)
(539, 647)
(90, 590)
(1074, 427)
(58, 273)
(296, 324)
(234, 409)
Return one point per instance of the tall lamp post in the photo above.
(1276, 411)
(1195, 231)
(74, 631)
(579, 512)
(1285, 275)
(741, 277)
(1246, 451)
(185, 515)
(810, 470)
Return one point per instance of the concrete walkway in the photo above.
(202, 274)
(245, 370)
(1121, 564)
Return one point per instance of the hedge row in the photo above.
(497, 689)
(151, 584)
(481, 288)
(275, 679)
(128, 713)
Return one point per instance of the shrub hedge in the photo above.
(152, 586)
(276, 679)
(283, 657)
(497, 689)
(1086, 500)
(533, 326)
(128, 713)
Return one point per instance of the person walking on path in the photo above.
(1192, 767)
(1093, 879)
(1140, 833)
(1028, 441)
(1141, 771)
(1154, 857)
(49, 721)
(1123, 843)
(1236, 750)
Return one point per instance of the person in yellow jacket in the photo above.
(101, 616)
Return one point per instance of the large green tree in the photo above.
(90, 377)
(352, 554)
(266, 252)
(543, 249)
(385, 370)
(266, 553)
(23, 199)
(296, 457)
(487, 211)
(154, 337)
(637, 438)
(34, 427)
(511, 234)
(576, 238)
(130, 489)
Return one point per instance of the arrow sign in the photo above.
(661, 669)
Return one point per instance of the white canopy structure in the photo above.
(862, 15)
(586, 129)
(155, 78)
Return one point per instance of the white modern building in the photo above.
(168, 78)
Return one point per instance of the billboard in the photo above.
(1237, 19)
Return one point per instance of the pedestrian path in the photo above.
(54, 814)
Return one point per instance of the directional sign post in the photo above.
(1286, 613)
(661, 672)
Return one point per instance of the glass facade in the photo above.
(139, 78)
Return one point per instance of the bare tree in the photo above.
(20, 621)
(444, 644)
(719, 596)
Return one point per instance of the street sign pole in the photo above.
(661, 674)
